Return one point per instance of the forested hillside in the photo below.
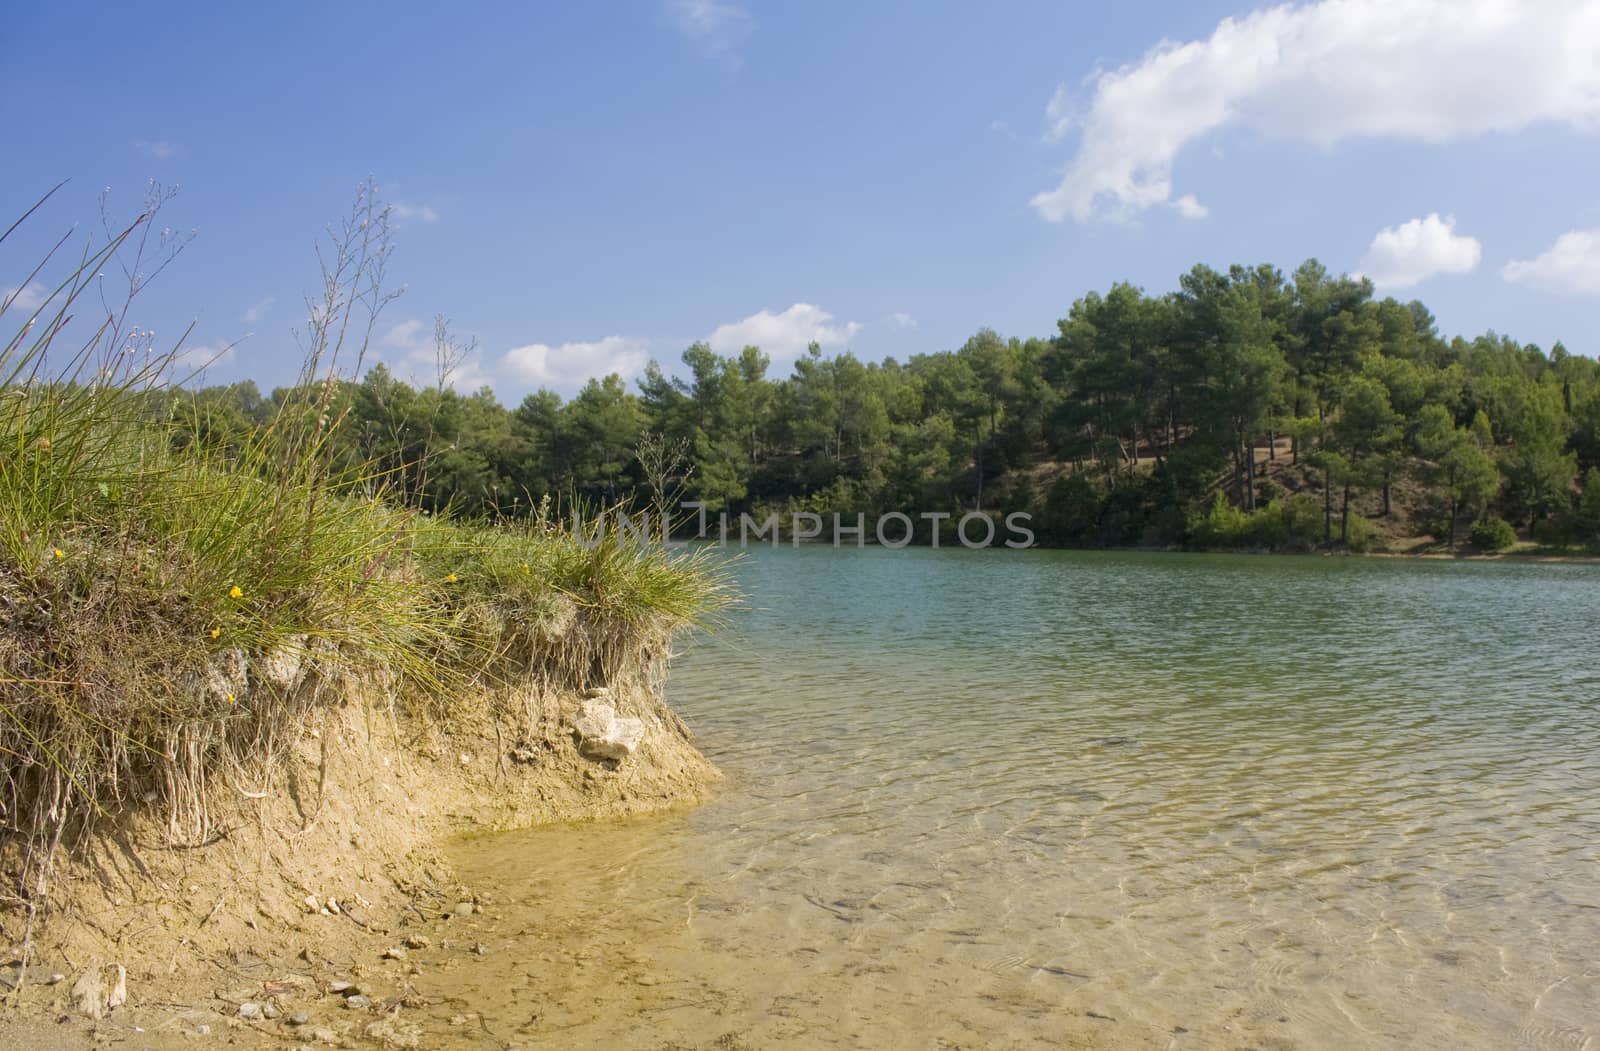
(1244, 409)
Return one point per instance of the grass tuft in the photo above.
(171, 613)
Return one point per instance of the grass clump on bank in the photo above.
(170, 612)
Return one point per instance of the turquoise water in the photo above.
(1037, 799)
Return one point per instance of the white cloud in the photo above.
(715, 27)
(201, 356)
(405, 211)
(1570, 265)
(784, 335)
(418, 362)
(1190, 208)
(1433, 71)
(158, 149)
(258, 311)
(569, 364)
(28, 298)
(1060, 114)
(1408, 254)
(414, 335)
(902, 320)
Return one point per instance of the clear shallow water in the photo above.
(1035, 799)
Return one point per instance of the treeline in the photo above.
(1243, 409)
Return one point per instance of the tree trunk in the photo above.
(1387, 506)
(1327, 509)
(1344, 518)
(1250, 476)
(1238, 470)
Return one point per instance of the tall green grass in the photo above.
(170, 614)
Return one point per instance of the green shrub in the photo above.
(1558, 531)
(1492, 533)
(1294, 524)
(1220, 526)
(1358, 534)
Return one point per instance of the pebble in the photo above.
(299, 1018)
(465, 909)
(394, 953)
(249, 1012)
(358, 1002)
(417, 941)
(202, 1030)
(269, 1011)
(481, 950)
(340, 988)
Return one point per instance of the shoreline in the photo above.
(308, 916)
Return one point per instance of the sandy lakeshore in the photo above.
(322, 894)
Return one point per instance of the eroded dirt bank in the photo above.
(318, 897)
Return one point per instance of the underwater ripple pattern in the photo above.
(1001, 799)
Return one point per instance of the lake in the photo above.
(1043, 799)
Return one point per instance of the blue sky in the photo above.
(582, 187)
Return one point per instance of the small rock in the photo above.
(333, 906)
(202, 1030)
(358, 1002)
(249, 1012)
(270, 1011)
(465, 759)
(340, 987)
(324, 1035)
(89, 993)
(394, 953)
(390, 1034)
(418, 941)
(481, 950)
(312, 904)
(464, 909)
(602, 733)
(299, 1018)
(119, 988)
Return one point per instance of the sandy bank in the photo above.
(300, 919)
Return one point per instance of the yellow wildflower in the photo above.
(230, 698)
(216, 632)
(525, 567)
(236, 592)
(450, 578)
(60, 553)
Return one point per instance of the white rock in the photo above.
(594, 718)
(601, 732)
(282, 666)
(227, 674)
(89, 992)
